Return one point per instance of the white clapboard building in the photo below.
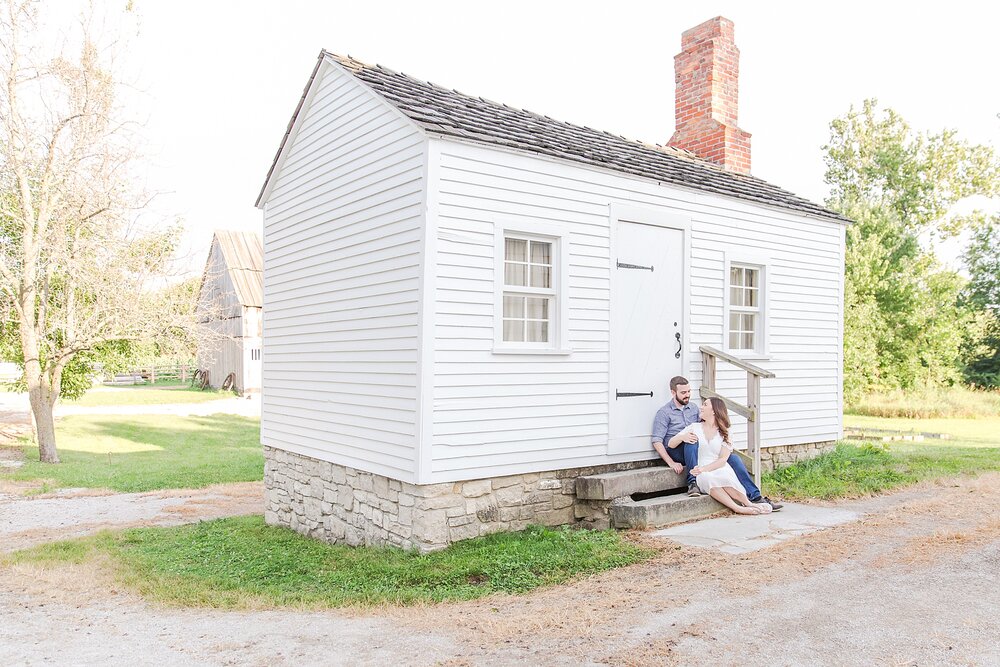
(230, 299)
(469, 305)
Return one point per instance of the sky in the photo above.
(219, 79)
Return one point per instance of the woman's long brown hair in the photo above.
(721, 418)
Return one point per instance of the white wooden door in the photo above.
(647, 326)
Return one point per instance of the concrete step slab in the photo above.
(662, 511)
(741, 534)
(611, 485)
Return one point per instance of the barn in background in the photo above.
(231, 297)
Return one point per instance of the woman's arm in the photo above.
(724, 455)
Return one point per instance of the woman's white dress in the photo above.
(708, 452)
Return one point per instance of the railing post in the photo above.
(709, 357)
(708, 370)
(753, 426)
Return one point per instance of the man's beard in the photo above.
(683, 401)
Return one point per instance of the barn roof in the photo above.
(445, 112)
(243, 254)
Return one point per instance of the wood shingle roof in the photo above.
(449, 113)
(244, 258)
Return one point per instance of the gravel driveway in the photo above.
(14, 408)
(27, 521)
(912, 583)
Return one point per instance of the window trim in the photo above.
(760, 263)
(558, 236)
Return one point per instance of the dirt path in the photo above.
(912, 583)
(15, 411)
(25, 522)
(247, 407)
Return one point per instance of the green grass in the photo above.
(928, 403)
(241, 562)
(981, 432)
(146, 452)
(147, 395)
(858, 469)
(168, 382)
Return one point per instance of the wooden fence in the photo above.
(157, 373)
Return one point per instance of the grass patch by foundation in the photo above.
(147, 452)
(242, 563)
(858, 469)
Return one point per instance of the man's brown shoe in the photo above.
(774, 506)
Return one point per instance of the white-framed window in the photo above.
(745, 308)
(531, 303)
(528, 293)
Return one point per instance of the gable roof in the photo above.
(243, 254)
(449, 113)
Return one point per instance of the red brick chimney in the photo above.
(707, 72)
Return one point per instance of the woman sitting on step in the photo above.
(713, 474)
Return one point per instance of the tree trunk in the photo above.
(40, 393)
(45, 429)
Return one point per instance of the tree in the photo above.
(904, 323)
(78, 274)
(982, 259)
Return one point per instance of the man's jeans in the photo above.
(688, 455)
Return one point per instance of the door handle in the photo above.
(677, 354)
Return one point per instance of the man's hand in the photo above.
(675, 466)
(690, 437)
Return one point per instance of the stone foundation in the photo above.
(786, 455)
(338, 504)
(343, 505)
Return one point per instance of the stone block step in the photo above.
(662, 511)
(611, 485)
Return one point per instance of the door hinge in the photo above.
(623, 265)
(631, 394)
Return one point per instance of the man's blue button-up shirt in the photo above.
(671, 420)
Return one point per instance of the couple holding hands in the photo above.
(686, 436)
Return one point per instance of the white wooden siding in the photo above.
(342, 243)
(501, 414)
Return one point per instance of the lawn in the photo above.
(241, 562)
(147, 395)
(860, 468)
(928, 403)
(980, 432)
(147, 452)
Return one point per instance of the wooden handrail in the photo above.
(751, 410)
(747, 459)
(735, 361)
(732, 405)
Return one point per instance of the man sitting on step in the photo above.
(670, 420)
